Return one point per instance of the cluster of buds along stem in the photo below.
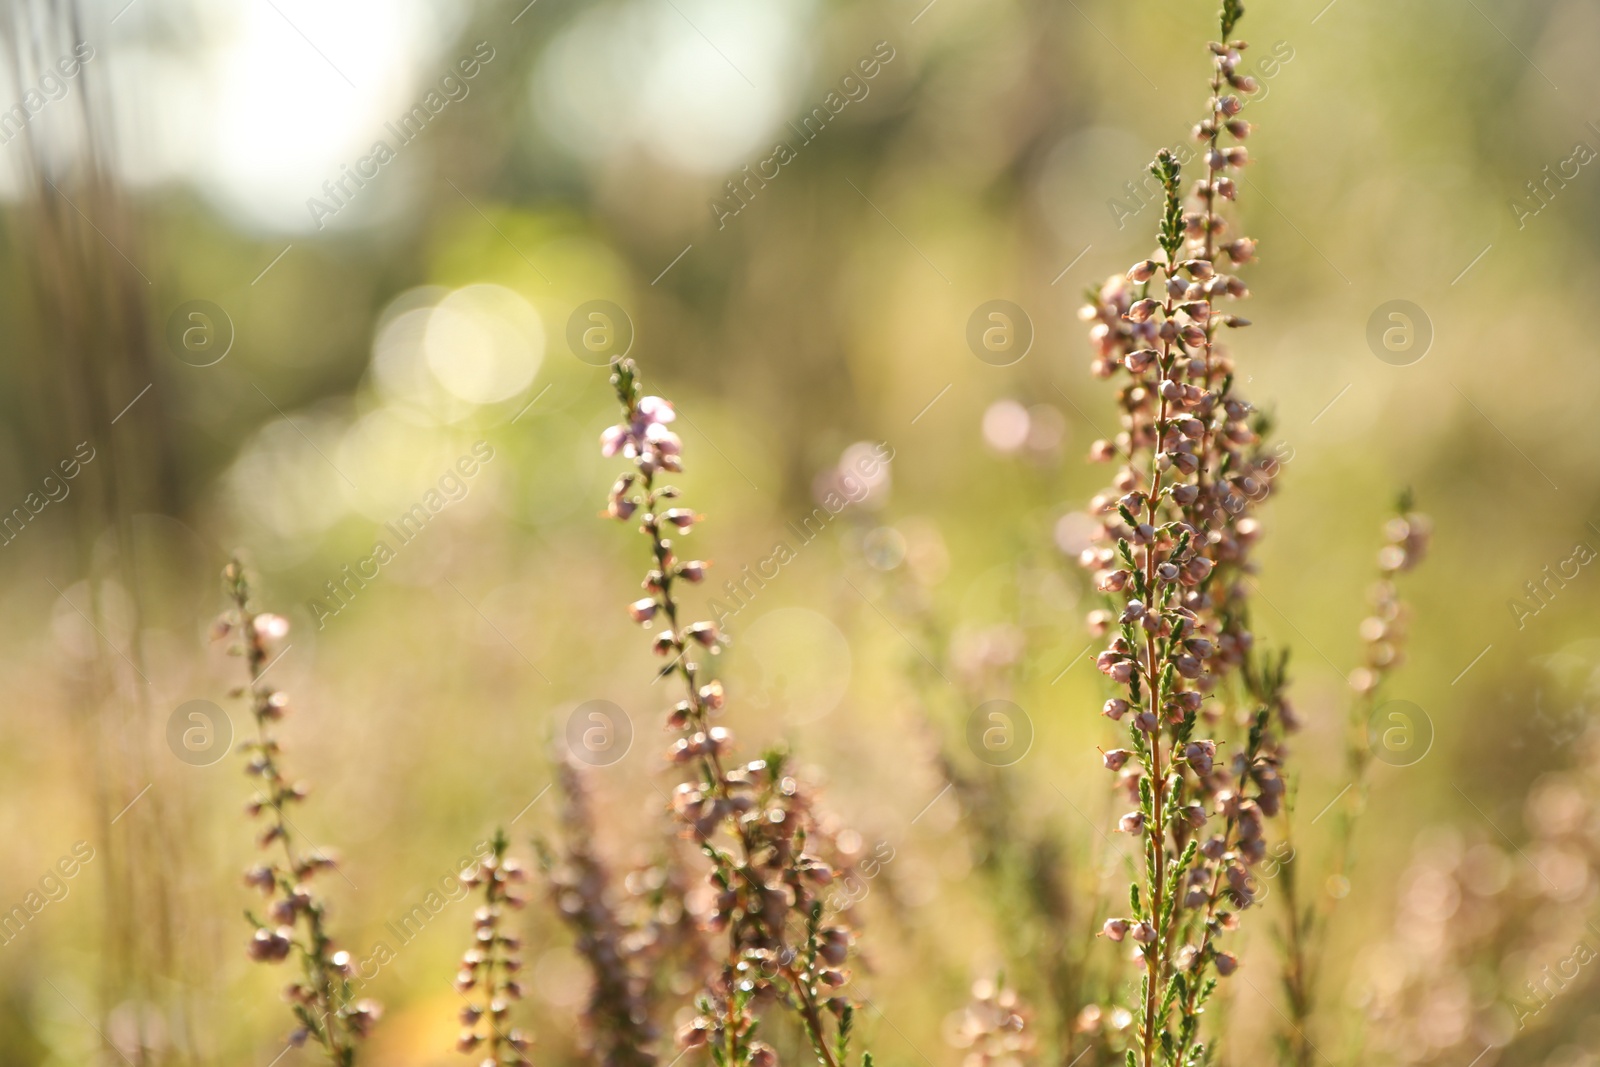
(753, 821)
(488, 979)
(1171, 554)
(1383, 633)
(1383, 636)
(617, 1019)
(295, 923)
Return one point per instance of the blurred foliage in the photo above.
(988, 160)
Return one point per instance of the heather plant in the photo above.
(1383, 635)
(617, 1019)
(767, 845)
(488, 975)
(296, 921)
(1028, 872)
(1494, 938)
(1204, 712)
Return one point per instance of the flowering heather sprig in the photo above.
(491, 965)
(1383, 632)
(617, 1019)
(1383, 636)
(753, 821)
(1173, 559)
(296, 918)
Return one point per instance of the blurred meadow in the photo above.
(235, 345)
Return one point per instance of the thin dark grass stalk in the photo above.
(1306, 925)
(83, 348)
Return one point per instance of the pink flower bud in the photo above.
(1115, 929)
(1131, 823)
(643, 610)
(654, 409)
(703, 632)
(271, 946)
(1112, 581)
(1115, 759)
(1142, 310)
(611, 440)
(694, 1034)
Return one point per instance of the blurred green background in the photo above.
(987, 157)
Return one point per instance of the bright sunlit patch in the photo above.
(391, 461)
(484, 343)
(400, 363)
(283, 480)
(301, 88)
(698, 84)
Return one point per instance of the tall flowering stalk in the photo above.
(296, 921)
(490, 967)
(1383, 636)
(1172, 557)
(753, 821)
(617, 1018)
